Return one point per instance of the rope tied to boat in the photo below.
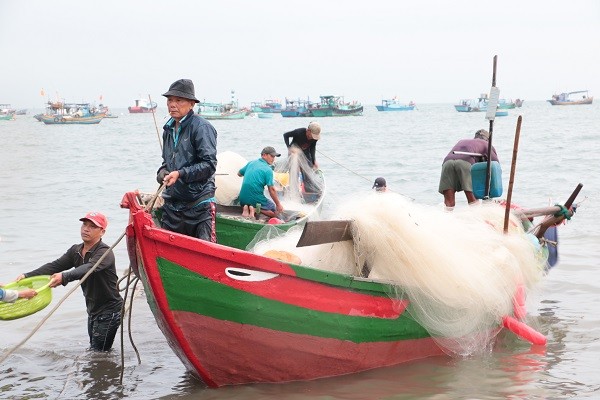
(87, 274)
(563, 212)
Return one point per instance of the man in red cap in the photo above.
(100, 289)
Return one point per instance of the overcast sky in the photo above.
(426, 51)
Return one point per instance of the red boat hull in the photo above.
(140, 110)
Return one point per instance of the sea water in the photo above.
(53, 174)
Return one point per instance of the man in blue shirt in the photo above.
(258, 174)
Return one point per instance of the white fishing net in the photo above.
(296, 177)
(458, 269)
(227, 180)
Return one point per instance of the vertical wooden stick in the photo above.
(155, 125)
(511, 180)
(488, 171)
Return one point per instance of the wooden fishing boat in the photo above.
(235, 317)
(142, 106)
(266, 107)
(70, 119)
(395, 105)
(334, 106)
(473, 105)
(565, 99)
(6, 117)
(504, 104)
(243, 308)
(236, 231)
(220, 111)
(60, 113)
(7, 109)
(296, 108)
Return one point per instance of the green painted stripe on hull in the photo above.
(188, 291)
(239, 234)
(336, 279)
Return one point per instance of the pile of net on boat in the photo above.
(458, 269)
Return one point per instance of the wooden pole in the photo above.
(511, 180)
(552, 220)
(155, 124)
(488, 171)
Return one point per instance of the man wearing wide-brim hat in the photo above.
(188, 167)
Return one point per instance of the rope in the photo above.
(124, 311)
(343, 166)
(87, 274)
(563, 212)
(155, 124)
(39, 325)
(357, 174)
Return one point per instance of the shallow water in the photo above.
(52, 175)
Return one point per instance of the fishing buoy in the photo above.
(519, 309)
(275, 221)
(523, 331)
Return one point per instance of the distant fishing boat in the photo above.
(565, 99)
(6, 117)
(143, 106)
(473, 105)
(59, 113)
(519, 102)
(267, 106)
(106, 111)
(504, 104)
(220, 111)
(296, 108)
(395, 105)
(334, 106)
(6, 109)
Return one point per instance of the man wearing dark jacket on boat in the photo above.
(456, 168)
(306, 139)
(100, 289)
(188, 167)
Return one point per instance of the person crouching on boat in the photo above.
(258, 174)
(100, 290)
(306, 140)
(188, 167)
(456, 168)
